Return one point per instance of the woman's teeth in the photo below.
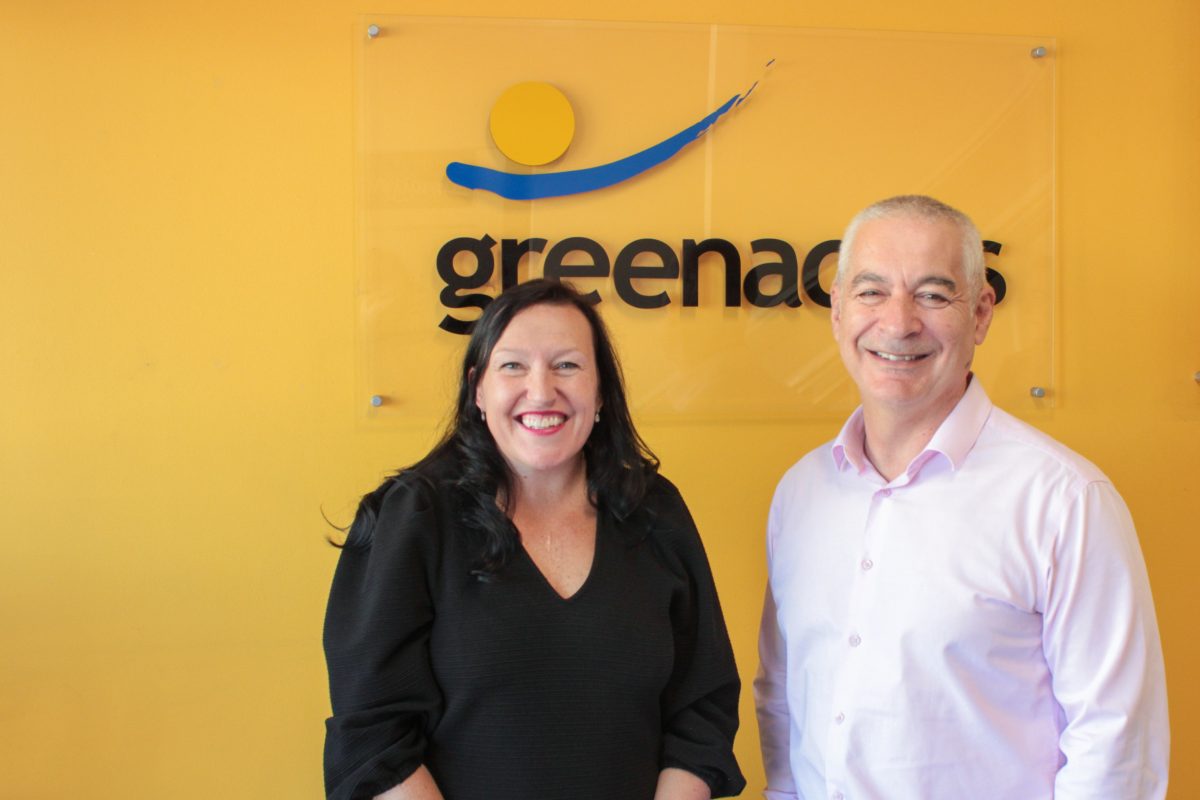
(542, 421)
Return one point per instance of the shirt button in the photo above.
(837, 796)
(840, 718)
(867, 563)
(885, 492)
(855, 640)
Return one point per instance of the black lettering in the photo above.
(691, 269)
(625, 272)
(511, 253)
(452, 256)
(812, 272)
(785, 269)
(485, 265)
(555, 268)
(994, 278)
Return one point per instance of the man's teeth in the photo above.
(895, 357)
(542, 421)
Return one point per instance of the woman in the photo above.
(527, 613)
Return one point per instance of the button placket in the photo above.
(853, 668)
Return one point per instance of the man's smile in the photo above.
(898, 356)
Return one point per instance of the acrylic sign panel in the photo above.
(760, 143)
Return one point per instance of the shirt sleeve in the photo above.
(700, 702)
(377, 624)
(770, 692)
(1101, 643)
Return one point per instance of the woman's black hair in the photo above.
(619, 464)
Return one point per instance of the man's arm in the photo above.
(1101, 643)
(770, 697)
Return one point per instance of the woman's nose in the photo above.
(539, 385)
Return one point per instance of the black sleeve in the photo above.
(377, 625)
(700, 704)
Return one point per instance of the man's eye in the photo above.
(870, 294)
(933, 300)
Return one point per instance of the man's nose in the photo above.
(900, 317)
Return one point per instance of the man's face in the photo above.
(903, 318)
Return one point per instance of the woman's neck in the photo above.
(549, 492)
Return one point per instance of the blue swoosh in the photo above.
(559, 184)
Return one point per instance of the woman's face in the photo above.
(540, 390)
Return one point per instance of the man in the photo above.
(957, 606)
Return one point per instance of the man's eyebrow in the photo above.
(946, 283)
(866, 277)
(936, 280)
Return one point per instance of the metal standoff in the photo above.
(1038, 52)
(372, 31)
(376, 400)
(1037, 391)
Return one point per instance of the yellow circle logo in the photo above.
(532, 123)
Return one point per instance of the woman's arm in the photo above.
(382, 689)
(700, 700)
(420, 786)
(675, 784)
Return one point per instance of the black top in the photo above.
(507, 691)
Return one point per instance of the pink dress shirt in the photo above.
(980, 627)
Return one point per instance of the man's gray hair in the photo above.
(921, 207)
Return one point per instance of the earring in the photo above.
(483, 415)
(597, 416)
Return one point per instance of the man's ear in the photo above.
(984, 308)
(835, 306)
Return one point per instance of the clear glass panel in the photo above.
(837, 120)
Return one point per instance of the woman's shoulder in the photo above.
(663, 495)
(408, 503)
(663, 514)
(665, 525)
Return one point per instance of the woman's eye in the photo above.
(566, 365)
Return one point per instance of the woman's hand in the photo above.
(679, 784)
(420, 786)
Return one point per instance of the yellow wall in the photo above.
(177, 345)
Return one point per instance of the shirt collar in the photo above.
(953, 439)
(850, 444)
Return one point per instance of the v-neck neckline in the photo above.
(592, 568)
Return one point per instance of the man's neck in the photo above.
(893, 438)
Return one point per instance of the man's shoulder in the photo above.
(819, 458)
(1035, 450)
(816, 463)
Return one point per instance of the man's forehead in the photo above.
(907, 248)
(934, 277)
